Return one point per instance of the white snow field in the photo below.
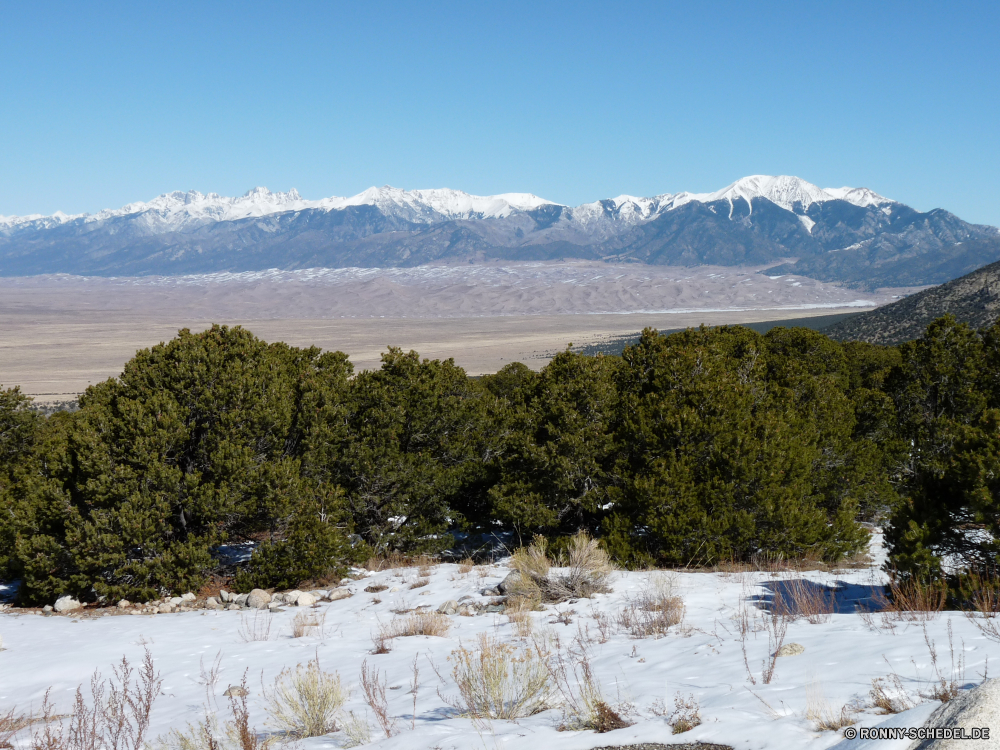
(701, 658)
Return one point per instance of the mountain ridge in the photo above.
(849, 235)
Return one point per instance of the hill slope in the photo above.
(973, 298)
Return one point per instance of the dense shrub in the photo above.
(702, 446)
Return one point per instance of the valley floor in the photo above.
(59, 334)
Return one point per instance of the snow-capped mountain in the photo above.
(842, 234)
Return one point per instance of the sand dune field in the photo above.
(59, 334)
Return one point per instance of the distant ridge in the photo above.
(849, 235)
(973, 299)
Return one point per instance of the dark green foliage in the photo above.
(409, 444)
(702, 446)
(196, 442)
(735, 445)
(945, 395)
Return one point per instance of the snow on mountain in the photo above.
(181, 210)
(425, 206)
(784, 191)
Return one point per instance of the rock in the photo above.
(275, 605)
(176, 600)
(292, 596)
(338, 594)
(490, 591)
(790, 649)
(124, 604)
(234, 691)
(516, 585)
(450, 607)
(980, 707)
(320, 593)
(66, 604)
(258, 599)
(234, 607)
(225, 595)
(188, 597)
(212, 602)
(240, 599)
(305, 600)
(1, 643)
(165, 608)
(394, 589)
(47, 608)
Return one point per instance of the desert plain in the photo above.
(59, 333)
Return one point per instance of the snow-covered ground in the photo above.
(703, 657)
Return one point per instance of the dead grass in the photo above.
(417, 623)
(585, 704)
(496, 680)
(913, 600)
(255, 626)
(657, 609)
(373, 686)
(465, 566)
(684, 717)
(801, 598)
(305, 701)
(823, 715)
(307, 623)
(116, 716)
(587, 570)
(985, 605)
(11, 724)
(888, 695)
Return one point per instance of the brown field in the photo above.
(60, 334)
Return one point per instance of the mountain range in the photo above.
(849, 235)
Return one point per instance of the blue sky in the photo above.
(103, 104)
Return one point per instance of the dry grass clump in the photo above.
(915, 601)
(465, 566)
(888, 695)
(587, 570)
(305, 701)
(823, 715)
(376, 588)
(585, 704)
(420, 583)
(985, 604)
(255, 626)
(417, 623)
(117, 715)
(209, 735)
(801, 598)
(307, 623)
(499, 681)
(357, 729)
(685, 716)
(10, 724)
(518, 611)
(654, 611)
(373, 686)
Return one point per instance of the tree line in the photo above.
(702, 446)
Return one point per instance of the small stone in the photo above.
(67, 604)
(790, 649)
(274, 605)
(165, 608)
(338, 594)
(292, 596)
(47, 608)
(188, 597)
(258, 599)
(450, 607)
(124, 604)
(394, 589)
(224, 595)
(516, 585)
(320, 593)
(212, 602)
(234, 691)
(240, 599)
(305, 600)
(278, 597)
(490, 591)
(234, 607)
(176, 600)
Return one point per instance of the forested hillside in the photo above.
(703, 446)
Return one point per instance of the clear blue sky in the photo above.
(106, 103)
